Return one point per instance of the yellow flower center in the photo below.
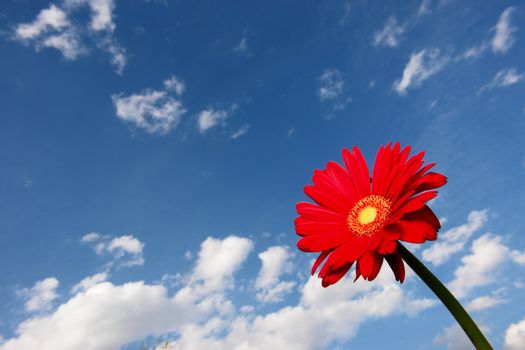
(368, 215)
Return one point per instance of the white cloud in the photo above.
(424, 9)
(52, 18)
(518, 257)
(331, 85)
(242, 46)
(515, 336)
(175, 84)
(454, 239)
(91, 237)
(53, 29)
(324, 315)
(275, 262)
(504, 77)
(241, 131)
(104, 317)
(66, 43)
(391, 33)
(125, 251)
(218, 260)
(151, 110)
(421, 66)
(89, 282)
(41, 296)
(478, 268)
(454, 338)
(484, 302)
(503, 39)
(210, 118)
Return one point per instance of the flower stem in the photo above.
(465, 321)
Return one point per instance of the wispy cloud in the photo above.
(242, 47)
(243, 130)
(331, 85)
(175, 84)
(393, 30)
(331, 92)
(504, 77)
(54, 28)
(391, 33)
(211, 118)
(501, 42)
(421, 66)
(503, 39)
(156, 111)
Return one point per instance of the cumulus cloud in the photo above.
(218, 260)
(104, 317)
(515, 336)
(421, 66)
(53, 28)
(390, 35)
(325, 315)
(89, 282)
(454, 239)
(200, 315)
(503, 39)
(504, 77)
(478, 268)
(125, 251)
(276, 261)
(155, 111)
(41, 296)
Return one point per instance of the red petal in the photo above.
(317, 212)
(335, 275)
(325, 198)
(318, 243)
(320, 259)
(305, 226)
(387, 246)
(370, 264)
(430, 181)
(348, 252)
(416, 231)
(396, 264)
(414, 203)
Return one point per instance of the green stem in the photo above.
(465, 321)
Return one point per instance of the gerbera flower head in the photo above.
(359, 218)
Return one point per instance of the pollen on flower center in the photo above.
(368, 215)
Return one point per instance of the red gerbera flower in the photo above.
(359, 218)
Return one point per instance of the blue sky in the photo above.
(152, 153)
